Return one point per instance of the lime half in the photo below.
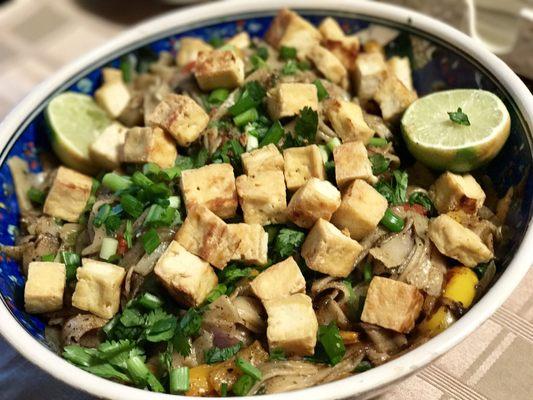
(437, 141)
(75, 121)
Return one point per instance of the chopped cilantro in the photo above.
(459, 117)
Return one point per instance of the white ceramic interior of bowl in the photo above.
(369, 383)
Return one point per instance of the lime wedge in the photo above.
(75, 121)
(437, 141)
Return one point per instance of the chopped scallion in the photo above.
(137, 370)
(273, 135)
(335, 142)
(37, 196)
(367, 272)
(109, 248)
(321, 91)
(141, 180)
(287, 53)
(179, 380)
(115, 182)
(251, 142)
(243, 385)
(392, 222)
(131, 205)
(248, 368)
(324, 153)
(246, 117)
(128, 233)
(218, 96)
(377, 142)
(150, 241)
(150, 301)
(101, 215)
(48, 257)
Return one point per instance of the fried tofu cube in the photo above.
(44, 287)
(291, 30)
(263, 198)
(188, 278)
(189, 48)
(452, 192)
(361, 209)
(370, 70)
(253, 248)
(144, 145)
(207, 236)
(330, 29)
(105, 150)
(267, 158)
(113, 96)
(345, 49)
(240, 41)
(212, 186)
(329, 251)
(351, 162)
(68, 195)
(287, 99)
(219, 69)
(292, 324)
(302, 164)
(455, 241)
(330, 66)
(347, 120)
(401, 69)
(315, 199)
(393, 98)
(279, 280)
(392, 304)
(98, 288)
(181, 117)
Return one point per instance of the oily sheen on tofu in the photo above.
(452, 192)
(279, 280)
(266, 158)
(44, 287)
(302, 164)
(253, 247)
(144, 145)
(351, 162)
(347, 120)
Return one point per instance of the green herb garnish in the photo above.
(459, 117)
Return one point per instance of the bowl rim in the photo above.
(372, 380)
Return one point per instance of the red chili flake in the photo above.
(122, 245)
(417, 208)
(189, 67)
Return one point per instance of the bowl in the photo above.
(442, 58)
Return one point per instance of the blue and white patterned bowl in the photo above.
(442, 58)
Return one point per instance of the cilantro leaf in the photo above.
(216, 354)
(459, 117)
(394, 191)
(251, 96)
(307, 124)
(288, 242)
(107, 371)
(422, 199)
(230, 275)
(330, 339)
(277, 354)
(379, 163)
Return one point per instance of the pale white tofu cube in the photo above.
(188, 278)
(240, 41)
(98, 288)
(392, 304)
(393, 98)
(292, 324)
(219, 69)
(253, 248)
(452, 192)
(279, 280)
(351, 162)
(68, 195)
(113, 96)
(345, 49)
(330, 66)
(267, 158)
(329, 251)
(105, 150)
(347, 120)
(144, 145)
(263, 197)
(330, 29)
(287, 99)
(302, 164)
(189, 47)
(207, 236)
(455, 241)
(44, 287)
(212, 186)
(370, 70)
(401, 69)
(181, 117)
(315, 199)
(361, 209)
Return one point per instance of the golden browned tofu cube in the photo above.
(393, 98)
(105, 150)
(292, 324)
(44, 287)
(315, 199)
(279, 280)
(113, 96)
(207, 236)
(267, 158)
(263, 198)
(98, 288)
(302, 164)
(329, 251)
(188, 278)
(392, 304)
(453, 192)
(330, 29)
(347, 121)
(361, 209)
(189, 47)
(401, 69)
(219, 69)
(457, 242)
(330, 66)
(287, 99)
(68, 195)
(240, 41)
(212, 186)
(253, 248)
(370, 70)
(143, 145)
(351, 162)
(180, 116)
(345, 49)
